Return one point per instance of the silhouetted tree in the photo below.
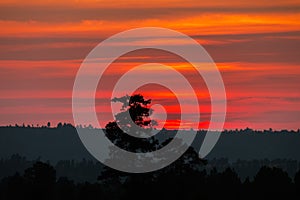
(272, 176)
(59, 125)
(41, 173)
(41, 179)
(137, 107)
(272, 182)
(139, 123)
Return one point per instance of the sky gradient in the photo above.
(255, 45)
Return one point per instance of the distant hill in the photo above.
(63, 143)
(51, 144)
(250, 145)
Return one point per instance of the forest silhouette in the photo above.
(180, 180)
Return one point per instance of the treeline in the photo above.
(79, 171)
(69, 125)
(87, 170)
(179, 181)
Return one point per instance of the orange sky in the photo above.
(255, 44)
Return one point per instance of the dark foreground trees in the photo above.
(40, 182)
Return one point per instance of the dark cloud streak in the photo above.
(252, 48)
(69, 14)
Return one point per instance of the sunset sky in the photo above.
(255, 45)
